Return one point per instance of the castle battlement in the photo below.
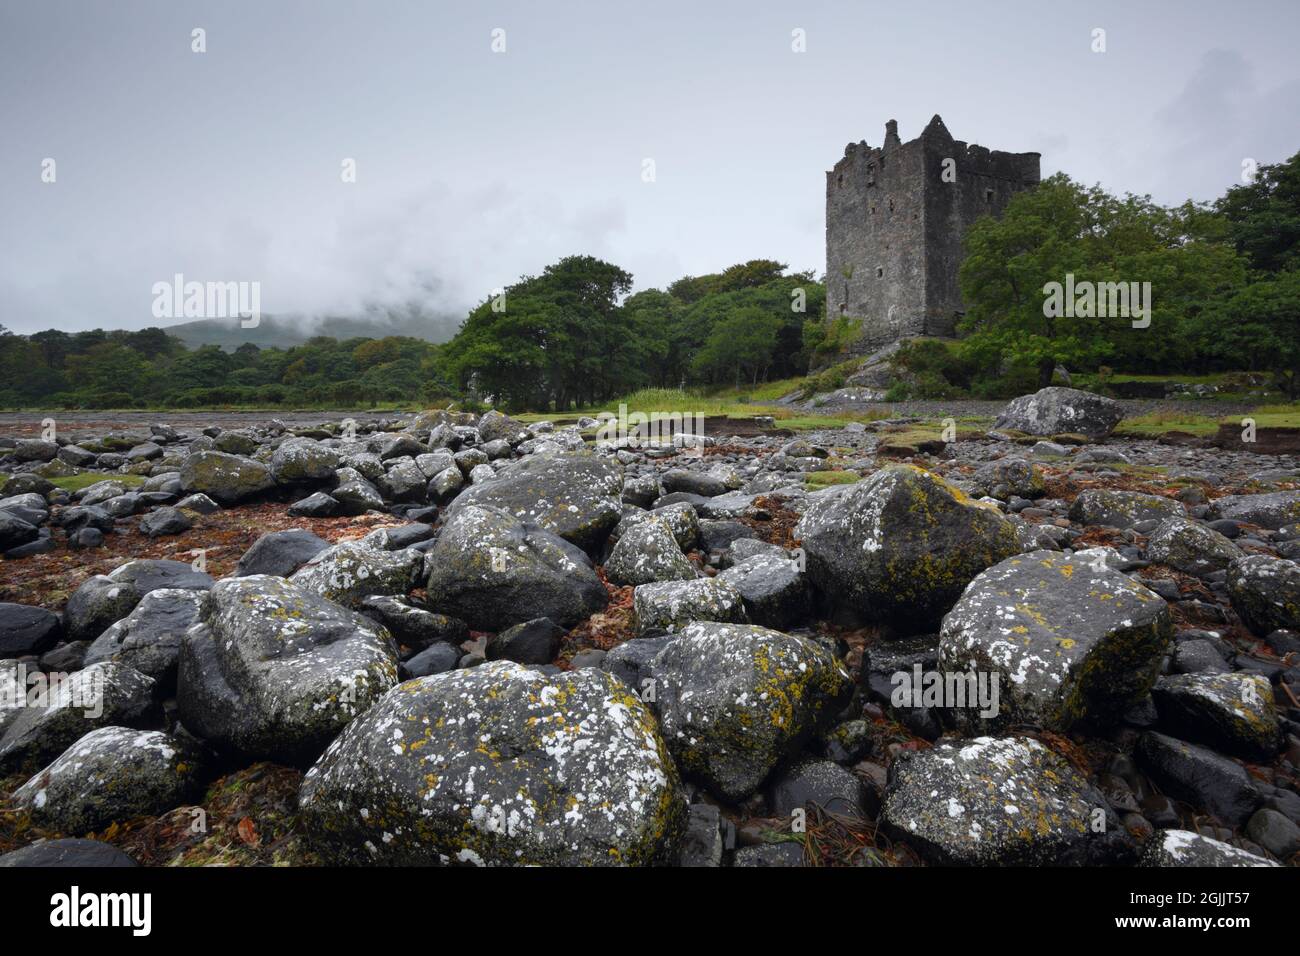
(896, 215)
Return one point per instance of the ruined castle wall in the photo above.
(895, 225)
(984, 183)
(875, 241)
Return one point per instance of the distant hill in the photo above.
(287, 331)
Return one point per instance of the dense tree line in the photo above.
(564, 339)
(1224, 282)
(98, 369)
(570, 337)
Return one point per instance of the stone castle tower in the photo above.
(895, 219)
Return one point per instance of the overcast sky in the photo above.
(474, 167)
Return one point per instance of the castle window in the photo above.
(988, 195)
(880, 272)
(840, 180)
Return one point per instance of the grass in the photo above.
(664, 401)
(87, 478)
(1159, 423)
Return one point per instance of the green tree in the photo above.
(1263, 217)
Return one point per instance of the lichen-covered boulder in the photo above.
(670, 605)
(774, 590)
(736, 700)
(61, 708)
(404, 481)
(1185, 848)
(348, 573)
(573, 494)
(494, 426)
(1006, 477)
(1266, 592)
(1272, 510)
(275, 671)
(356, 496)
(149, 638)
(1122, 509)
(111, 775)
(225, 478)
(302, 460)
(498, 765)
(1069, 638)
(681, 518)
(648, 552)
(902, 544)
(1190, 547)
(1232, 712)
(491, 570)
(988, 801)
(1056, 410)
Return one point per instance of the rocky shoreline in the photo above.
(460, 639)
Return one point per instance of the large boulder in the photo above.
(902, 545)
(1185, 848)
(1199, 776)
(774, 590)
(350, 572)
(111, 775)
(494, 426)
(107, 598)
(671, 605)
(1069, 638)
(1266, 592)
(1051, 411)
(1122, 509)
(149, 638)
(1231, 712)
(1190, 547)
(225, 478)
(280, 553)
(301, 460)
(648, 552)
(736, 700)
(27, 630)
(14, 531)
(63, 707)
(498, 765)
(275, 671)
(989, 801)
(1272, 510)
(573, 494)
(492, 570)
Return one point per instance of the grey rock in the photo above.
(275, 671)
(280, 553)
(491, 570)
(498, 765)
(736, 700)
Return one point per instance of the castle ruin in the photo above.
(895, 219)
